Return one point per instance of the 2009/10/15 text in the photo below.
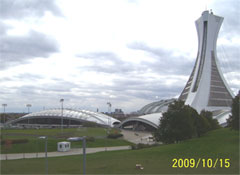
(201, 162)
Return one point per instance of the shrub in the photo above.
(114, 135)
(233, 120)
(15, 141)
(177, 123)
(90, 139)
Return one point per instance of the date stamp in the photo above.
(200, 162)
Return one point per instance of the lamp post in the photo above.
(83, 139)
(46, 159)
(61, 101)
(109, 107)
(28, 106)
(4, 117)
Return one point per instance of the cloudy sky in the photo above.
(90, 52)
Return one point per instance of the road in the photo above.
(74, 151)
(137, 137)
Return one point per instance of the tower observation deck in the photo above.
(206, 88)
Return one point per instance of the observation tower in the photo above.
(206, 88)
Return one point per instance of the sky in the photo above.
(91, 52)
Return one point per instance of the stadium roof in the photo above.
(156, 107)
(77, 115)
(150, 119)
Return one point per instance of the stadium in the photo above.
(147, 122)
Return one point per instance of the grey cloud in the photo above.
(156, 52)
(99, 55)
(28, 76)
(146, 89)
(21, 77)
(3, 28)
(230, 11)
(19, 49)
(24, 8)
(228, 57)
(166, 61)
(99, 58)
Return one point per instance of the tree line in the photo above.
(182, 122)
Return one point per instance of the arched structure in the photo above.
(148, 122)
(70, 117)
(156, 107)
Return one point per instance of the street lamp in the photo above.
(28, 106)
(4, 117)
(46, 159)
(109, 107)
(83, 139)
(61, 101)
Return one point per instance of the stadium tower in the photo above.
(206, 87)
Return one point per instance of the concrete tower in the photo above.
(206, 87)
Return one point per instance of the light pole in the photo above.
(28, 106)
(109, 107)
(61, 101)
(46, 159)
(4, 117)
(83, 139)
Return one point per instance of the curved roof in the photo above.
(150, 119)
(222, 116)
(156, 107)
(81, 115)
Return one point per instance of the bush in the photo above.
(177, 124)
(233, 120)
(182, 122)
(90, 139)
(114, 135)
(213, 123)
(15, 141)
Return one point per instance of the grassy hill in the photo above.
(221, 143)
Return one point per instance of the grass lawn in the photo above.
(54, 135)
(221, 143)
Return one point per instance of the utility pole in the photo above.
(28, 106)
(61, 101)
(4, 117)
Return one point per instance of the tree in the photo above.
(202, 125)
(233, 120)
(213, 123)
(177, 123)
(4, 117)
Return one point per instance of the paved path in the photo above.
(137, 137)
(74, 151)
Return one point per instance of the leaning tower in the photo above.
(206, 87)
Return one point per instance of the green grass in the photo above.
(92, 132)
(37, 145)
(221, 143)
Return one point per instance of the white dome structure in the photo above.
(156, 107)
(70, 117)
(148, 122)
